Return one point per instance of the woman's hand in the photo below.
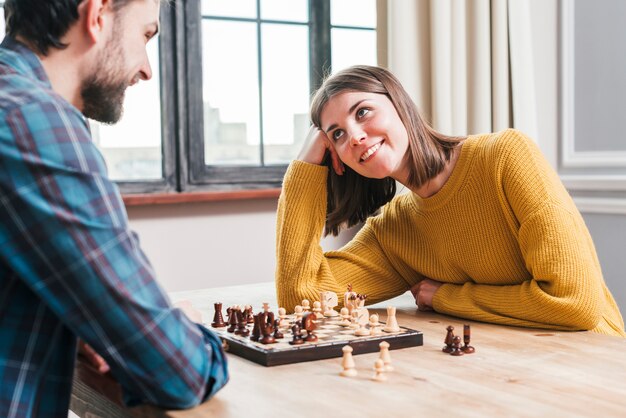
(423, 292)
(315, 147)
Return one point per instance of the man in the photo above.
(69, 265)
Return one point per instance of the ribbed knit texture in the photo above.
(502, 234)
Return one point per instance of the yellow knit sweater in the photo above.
(502, 234)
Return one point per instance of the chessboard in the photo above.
(332, 337)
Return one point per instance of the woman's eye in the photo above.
(362, 112)
(337, 134)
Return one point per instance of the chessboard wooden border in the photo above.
(317, 351)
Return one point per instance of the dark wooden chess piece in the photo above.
(249, 315)
(256, 330)
(309, 326)
(218, 319)
(296, 332)
(242, 324)
(232, 320)
(449, 339)
(467, 349)
(456, 343)
(277, 333)
(267, 329)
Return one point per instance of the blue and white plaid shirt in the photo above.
(70, 266)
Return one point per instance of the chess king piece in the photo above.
(218, 319)
(384, 356)
(391, 325)
(347, 362)
(448, 340)
(379, 367)
(467, 349)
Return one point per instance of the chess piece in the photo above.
(449, 339)
(249, 314)
(242, 324)
(282, 316)
(296, 333)
(347, 362)
(305, 305)
(232, 320)
(362, 331)
(277, 333)
(309, 326)
(467, 349)
(317, 310)
(256, 330)
(354, 320)
(267, 329)
(345, 317)
(348, 299)
(391, 325)
(456, 343)
(384, 356)
(375, 325)
(266, 307)
(379, 367)
(329, 301)
(218, 319)
(298, 311)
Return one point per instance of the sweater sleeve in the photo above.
(565, 290)
(302, 268)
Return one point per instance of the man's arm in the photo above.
(74, 249)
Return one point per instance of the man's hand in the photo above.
(188, 309)
(423, 292)
(92, 357)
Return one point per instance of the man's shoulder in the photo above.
(18, 91)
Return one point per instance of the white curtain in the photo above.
(466, 63)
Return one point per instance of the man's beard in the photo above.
(103, 91)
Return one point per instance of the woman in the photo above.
(487, 231)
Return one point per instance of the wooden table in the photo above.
(514, 372)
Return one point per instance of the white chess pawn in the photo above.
(306, 305)
(345, 317)
(317, 310)
(299, 312)
(391, 325)
(282, 316)
(384, 356)
(375, 325)
(379, 367)
(266, 307)
(347, 362)
(354, 320)
(362, 331)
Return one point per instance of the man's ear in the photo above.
(98, 17)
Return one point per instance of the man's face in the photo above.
(122, 62)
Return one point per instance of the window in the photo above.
(2, 28)
(227, 108)
(251, 114)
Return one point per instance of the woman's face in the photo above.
(367, 132)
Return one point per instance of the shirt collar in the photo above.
(23, 60)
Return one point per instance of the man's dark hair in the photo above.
(42, 23)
